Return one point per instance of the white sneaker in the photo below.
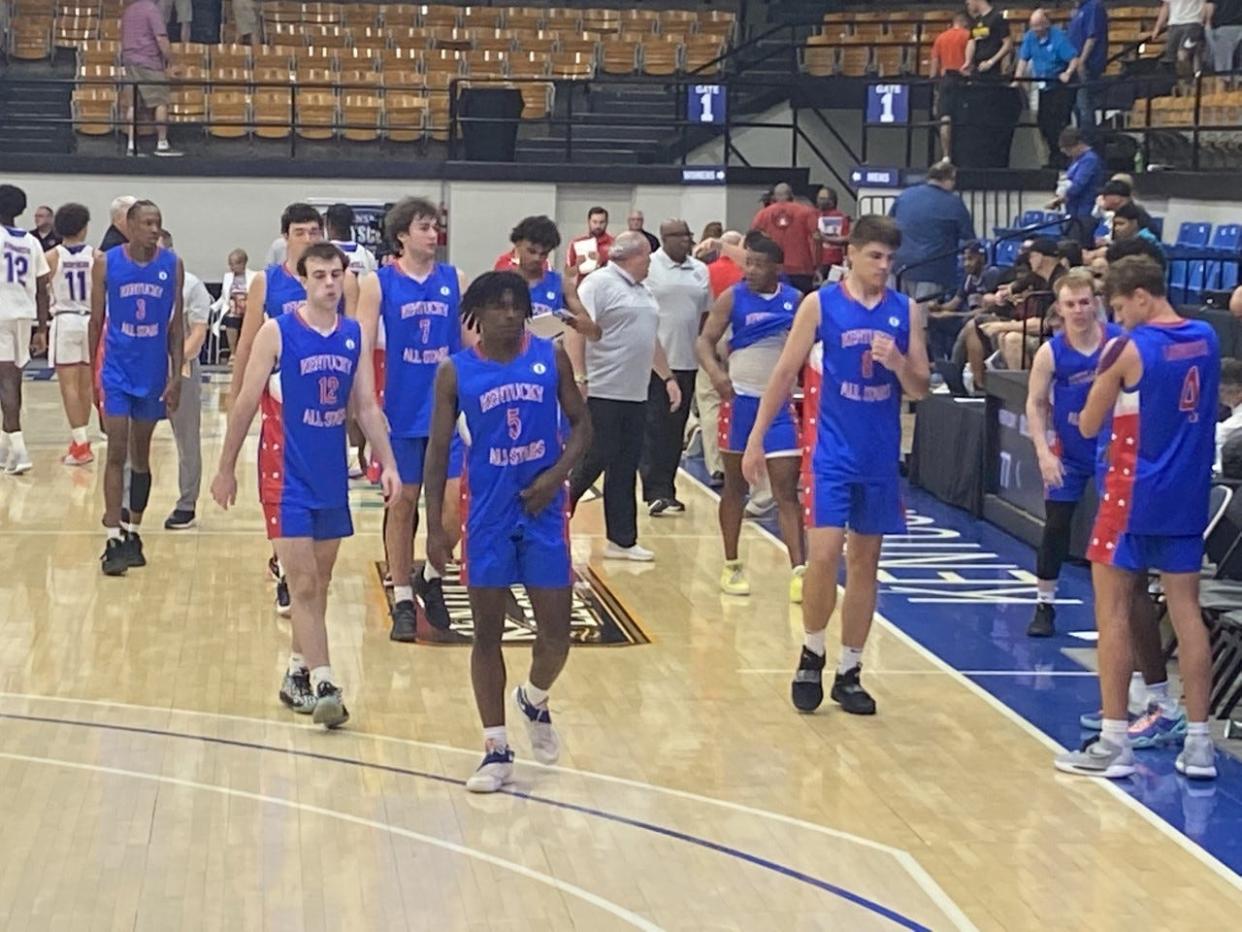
(758, 507)
(1198, 759)
(18, 463)
(164, 149)
(545, 743)
(495, 771)
(636, 553)
(1098, 759)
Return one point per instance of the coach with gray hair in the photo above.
(117, 212)
(614, 374)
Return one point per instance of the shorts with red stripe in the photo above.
(737, 419)
(1138, 553)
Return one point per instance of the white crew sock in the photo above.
(17, 442)
(114, 533)
(1114, 731)
(851, 657)
(297, 663)
(1158, 693)
(79, 436)
(429, 571)
(534, 695)
(1046, 591)
(495, 738)
(1197, 730)
(321, 675)
(814, 641)
(403, 593)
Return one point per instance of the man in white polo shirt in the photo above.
(682, 290)
(616, 372)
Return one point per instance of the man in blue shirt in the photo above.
(1088, 33)
(1083, 180)
(934, 224)
(1047, 56)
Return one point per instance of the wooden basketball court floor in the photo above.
(153, 781)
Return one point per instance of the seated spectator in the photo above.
(1021, 313)
(1070, 253)
(1116, 193)
(1231, 458)
(945, 319)
(1231, 398)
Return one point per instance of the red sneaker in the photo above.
(78, 455)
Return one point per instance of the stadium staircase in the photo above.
(22, 108)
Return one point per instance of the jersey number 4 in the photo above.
(1189, 401)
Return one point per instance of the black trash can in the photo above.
(496, 139)
(985, 115)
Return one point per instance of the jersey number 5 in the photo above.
(329, 386)
(1189, 401)
(514, 420)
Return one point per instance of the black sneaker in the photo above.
(850, 695)
(330, 711)
(404, 622)
(284, 604)
(133, 549)
(807, 690)
(179, 520)
(431, 592)
(114, 559)
(1042, 622)
(716, 480)
(659, 507)
(674, 506)
(296, 692)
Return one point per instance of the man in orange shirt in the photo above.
(792, 226)
(948, 57)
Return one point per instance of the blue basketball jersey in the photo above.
(859, 430)
(284, 291)
(547, 295)
(756, 317)
(512, 427)
(1073, 374)
(141, 301)
(302, 445)
(1162, 443)
(422, 324)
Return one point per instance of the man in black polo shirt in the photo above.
(989, 40)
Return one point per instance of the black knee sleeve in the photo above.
(139, 491)
(1055, 543)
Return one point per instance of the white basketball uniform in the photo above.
(71, 306)
(361, 259)
(22, 263)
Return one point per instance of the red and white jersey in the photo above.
(812, 380)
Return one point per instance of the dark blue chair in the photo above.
(1188, 275)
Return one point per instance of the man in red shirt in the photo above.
(722, 274)
(584, 259)
(833, 232)
(792, 226)
(948, 58)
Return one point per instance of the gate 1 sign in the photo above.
(888, 103)
(705, 103)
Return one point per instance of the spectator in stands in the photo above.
(1128, 223)
(145, 55)
(1048, 56)
(43, 230)
(1117, 192)
(680, 285)
(989, 41)
(1070, 253)
(934, 225)
(832, 232)
(634, 222)
(946, 319)
(1088, 32)
(185, 13)
(948, 59)
(1226, 33)
(246, 22)
(1185, 41)
(584, 256)
(117, 211)
(1083, 180)
(1020, 313)
(791, 226)
(1231, 398)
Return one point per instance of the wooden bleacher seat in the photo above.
(188, 101)
(409, 38)
(321, 13)
(536, 100)
(438, 115)
(316, 116)
(544, 43)
(619, 57)
(369, 37)
(720, 23)
(190, 55)
(360, 81)
(492, 40)
(445, 61)
(579, 43)
(487, 64)
(520, 18)
(528, 65)
(855, 60)
(445, 37)
(819, 56)
(273, 113)
(228, 113)
(286, 34)
(94, 110)
(318, 57)
(231, 55)
(70, 31)
(481, 17)
(433, 17)
(275, 56)
(405, 116)
(110, 28)
(334, 37)
(889, 60)
(360, 15)
(399, 15)
(31, 38)
(396, 65)
(699, 51)
(361, 116)
(99, 52)
(661, 56)
(564, 19)
(868, 31)
(572, 65)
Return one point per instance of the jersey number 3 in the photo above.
(1189, 401)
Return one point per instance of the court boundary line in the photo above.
(1197, 851)
(930, 887)
(561, 886)
(826, 886)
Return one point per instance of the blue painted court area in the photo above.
(965, 590)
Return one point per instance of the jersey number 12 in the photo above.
(17, 267)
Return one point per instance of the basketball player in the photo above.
(510, 389)
(136, 335)
(533, 240)
(1159, 383)
(761, 312)
(418, 299)
(873, 352)
(69, 348)
(303, 368)
(24, 279)
(1061, 376)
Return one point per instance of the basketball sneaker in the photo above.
(795, 585)
(404, 622)
(1041, 625)
(1198, 758)
(807, 690)
(284, 604)
(180, 520)
(665, 506)
(733, 578)
(18, 463)
(848, 693)
(79, 454)
(545, 743)
(431, 592)
(114, 557)
(495, 771)
(296, 692)
(133, 549)
(1154, 729)
(635, 553)
(1098, 758)
(330, 711)
(356, 471)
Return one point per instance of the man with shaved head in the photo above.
(635, 222)
(1047, 55)
(681, 288)
(792, 226)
